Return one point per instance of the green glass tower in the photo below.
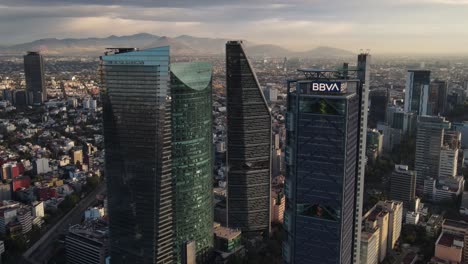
(192, 159)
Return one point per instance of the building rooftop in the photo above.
(377, 212)
(368, 234)
(450, 240)
(227, 233)
(456, 224)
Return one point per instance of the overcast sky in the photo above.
(384, 26)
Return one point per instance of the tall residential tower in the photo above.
(137, 136)
(249, 145)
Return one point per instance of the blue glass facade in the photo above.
(137, 137)
(321, 177)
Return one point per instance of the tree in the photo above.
(69, 202)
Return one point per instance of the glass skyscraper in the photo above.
(325, 155)
(36, 93)
(249, 145)
(417, 92)
(137, 136)
(192, 157)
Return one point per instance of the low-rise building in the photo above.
(94, 213)
(449, 247)
(412, 218)
(277, 207)
(226, 239)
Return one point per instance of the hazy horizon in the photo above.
(384, 27)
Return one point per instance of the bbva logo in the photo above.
(326, 87)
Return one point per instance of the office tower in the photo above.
(403, 185)
(378, 106)
(326, 123)
(137, 137)
(86, 244)
(249, 145)
(192, 157)
(429, 138)
(437, 97)
(35, 80)
(417, 91)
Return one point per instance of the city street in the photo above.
(43, 249)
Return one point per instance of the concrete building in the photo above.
(463, 129)
(374, 142)
(429, 138)
(457, 228)
(412, 218)
(77, 155)
(86, 245)
(370, 246)
(38, 209)
(449, 247)
(395, 210)
(403, 185)
(377, 218)
(226, 239)
(41, 166)
(448, 162)
(444, 189)
(94, 213)
(271, 94)
(434, 225)
(5, 192)
(25, 219)
(278, 202)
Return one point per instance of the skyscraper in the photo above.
(249, 145)
(137, 137)
(36, 92)
(437, 97)
(429, 138)
(378, 106)
(326, 137)
(192, 157)
(417, 91)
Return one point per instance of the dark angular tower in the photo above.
(325, 154)
(36, 92)
(249, 145)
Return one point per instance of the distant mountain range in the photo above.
(181, 45)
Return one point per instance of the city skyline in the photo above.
(299, 25)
